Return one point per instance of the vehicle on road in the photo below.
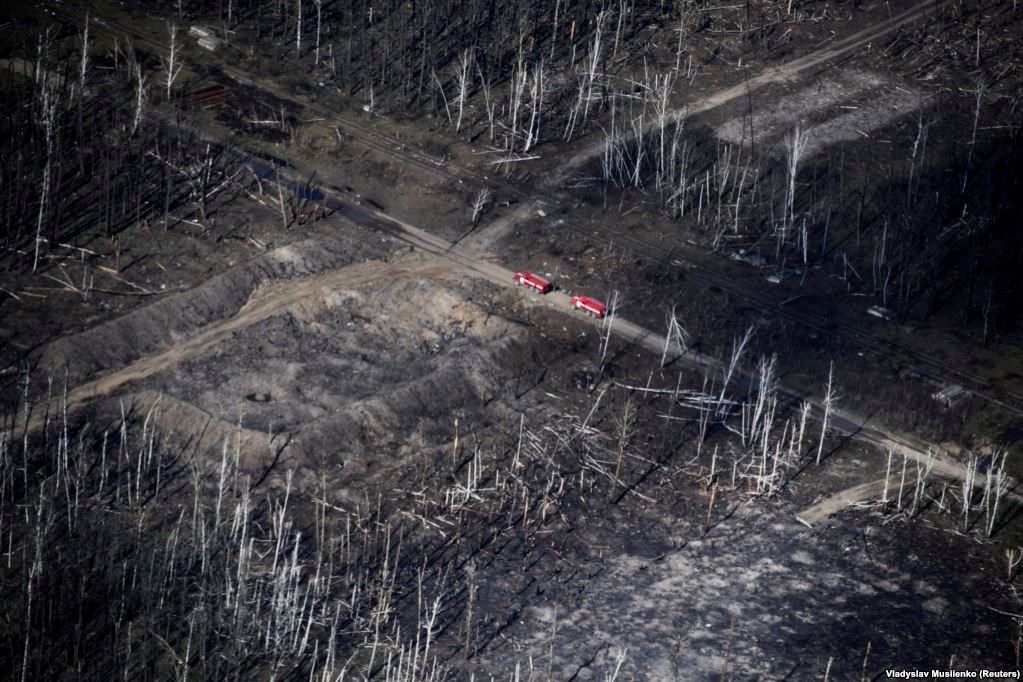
(590, 306)
(528, 279)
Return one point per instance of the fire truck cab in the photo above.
(528, 279)
(590, 306)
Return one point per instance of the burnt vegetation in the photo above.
(423, 478)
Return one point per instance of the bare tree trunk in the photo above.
(828, 399)
(85, 56)
(319, 11)
(462, 81)
(623, 441)
(298, 28)
(479, 203)
(795, 144)
(171, 66)
(536, 93)
(48, 114)
(978, 95)
(135, 71)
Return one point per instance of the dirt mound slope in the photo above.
(120, 341)
(351, 372)
(197, 432)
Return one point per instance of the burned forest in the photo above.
(423, 340)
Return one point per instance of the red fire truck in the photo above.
(590, 306)
(528, 279)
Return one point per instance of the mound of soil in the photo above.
(122, 340)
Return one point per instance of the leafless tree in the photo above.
(479, 203)
(319, 18)
(738, 348)
(47, 120)
(829, 398)
(795, 145)
(462, 76)
(676, 335)
(595, 55)
(83, 64)
(136, 72)
(171, 63)
(443, 95)
(488, 102)
(624, 436)
(978, 95)
(536, 95)
(607, 325)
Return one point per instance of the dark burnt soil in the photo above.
(471, 423)
(364, 375)
(88, 343)
(651, 288)
(514, 501)
(757, 597)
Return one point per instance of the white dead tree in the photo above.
(968, 482)
(829, 398)
(171, 63)
(319, 13)
(462, 80)
(978, 96)
(804, 412)
(47, 120)
(135, 71)
(298, 28)
(676, 335)
(515, 92)
(536, 95)
(738, 348)
(594, 60)
(85, 55)
(554, 32)
(488, 103)
(995, 485)
(660, 94)
(479, 203)
(683, 32)
(607, 325)
(573, 114)
(443, 95)
(795, 145)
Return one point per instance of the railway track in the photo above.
(693, 258)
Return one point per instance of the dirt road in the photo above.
(845, 424)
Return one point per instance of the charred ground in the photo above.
(250, 432)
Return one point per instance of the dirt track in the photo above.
(265, 303)
(773, 74)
